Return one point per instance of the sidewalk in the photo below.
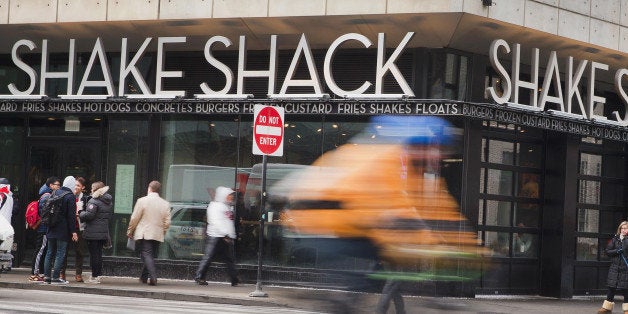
(318, 300)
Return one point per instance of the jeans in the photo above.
(56, 251)
(211, 245)
(95, 256)
(148, 252)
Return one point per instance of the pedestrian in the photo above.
(61, 233)
(148, 225)
(79, 246)
(96, 217)
(6, 199)
(37, 265)
(618, 272)
(220, 234)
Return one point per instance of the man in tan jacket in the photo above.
(149, 222)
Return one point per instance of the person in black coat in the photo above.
(618, 272)
(60, 234)
(96, 217)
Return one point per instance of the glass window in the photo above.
(499, 182)
(197, 156)
(340, 132)
(590, 164)
(527, 214)
(302, 140)
(588, 220)
(500, 152)
(498, 242)
(497, 213)
(589, 192)
(447, 76)
(524, 245)
(528, 185)
(609, 220)
(127, 155)
(56, 126)
(613, 194)
(530, 155)
(614, 166)
(586, 249)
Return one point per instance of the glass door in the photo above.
(61, 158)
(49, 158)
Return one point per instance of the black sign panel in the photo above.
(482, 111)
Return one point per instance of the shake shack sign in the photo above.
(99, 67)
(562, 94)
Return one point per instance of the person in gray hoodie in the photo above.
(220, 231)
(96, 217)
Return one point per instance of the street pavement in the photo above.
(317, 300)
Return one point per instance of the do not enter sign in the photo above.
(268, 130)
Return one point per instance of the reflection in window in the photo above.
(447, 76)
(499, 182)
(590, 165)
(528, 185)
(586, 249)
(527, 213)
(524, 245)
(499, 152)
(497, 213)
(339, 133)
(588, 220)
(498, 242)
(197, 156)
(127, 147)
(589, 192)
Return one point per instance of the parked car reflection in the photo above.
(184, 239)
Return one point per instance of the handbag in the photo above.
(130, 244)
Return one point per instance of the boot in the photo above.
(607, 307)
(624, 307)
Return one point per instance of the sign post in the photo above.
(267, 141)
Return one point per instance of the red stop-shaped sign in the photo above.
(268, 130)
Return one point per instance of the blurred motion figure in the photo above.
(384, 188)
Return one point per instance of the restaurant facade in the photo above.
(537, 103)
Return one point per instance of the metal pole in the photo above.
(258, 286)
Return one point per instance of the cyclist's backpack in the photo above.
(52, 211)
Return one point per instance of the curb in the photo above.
(141, 294)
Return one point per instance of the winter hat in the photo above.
(69, 182)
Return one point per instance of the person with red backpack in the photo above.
(37, 265)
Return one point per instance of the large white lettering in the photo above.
(125, 68)
(107, 82)
(32, 75)
(270, 73)
(314, 82)
(161, 73)
(218, 65)
(44, 74)
(573, 77)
